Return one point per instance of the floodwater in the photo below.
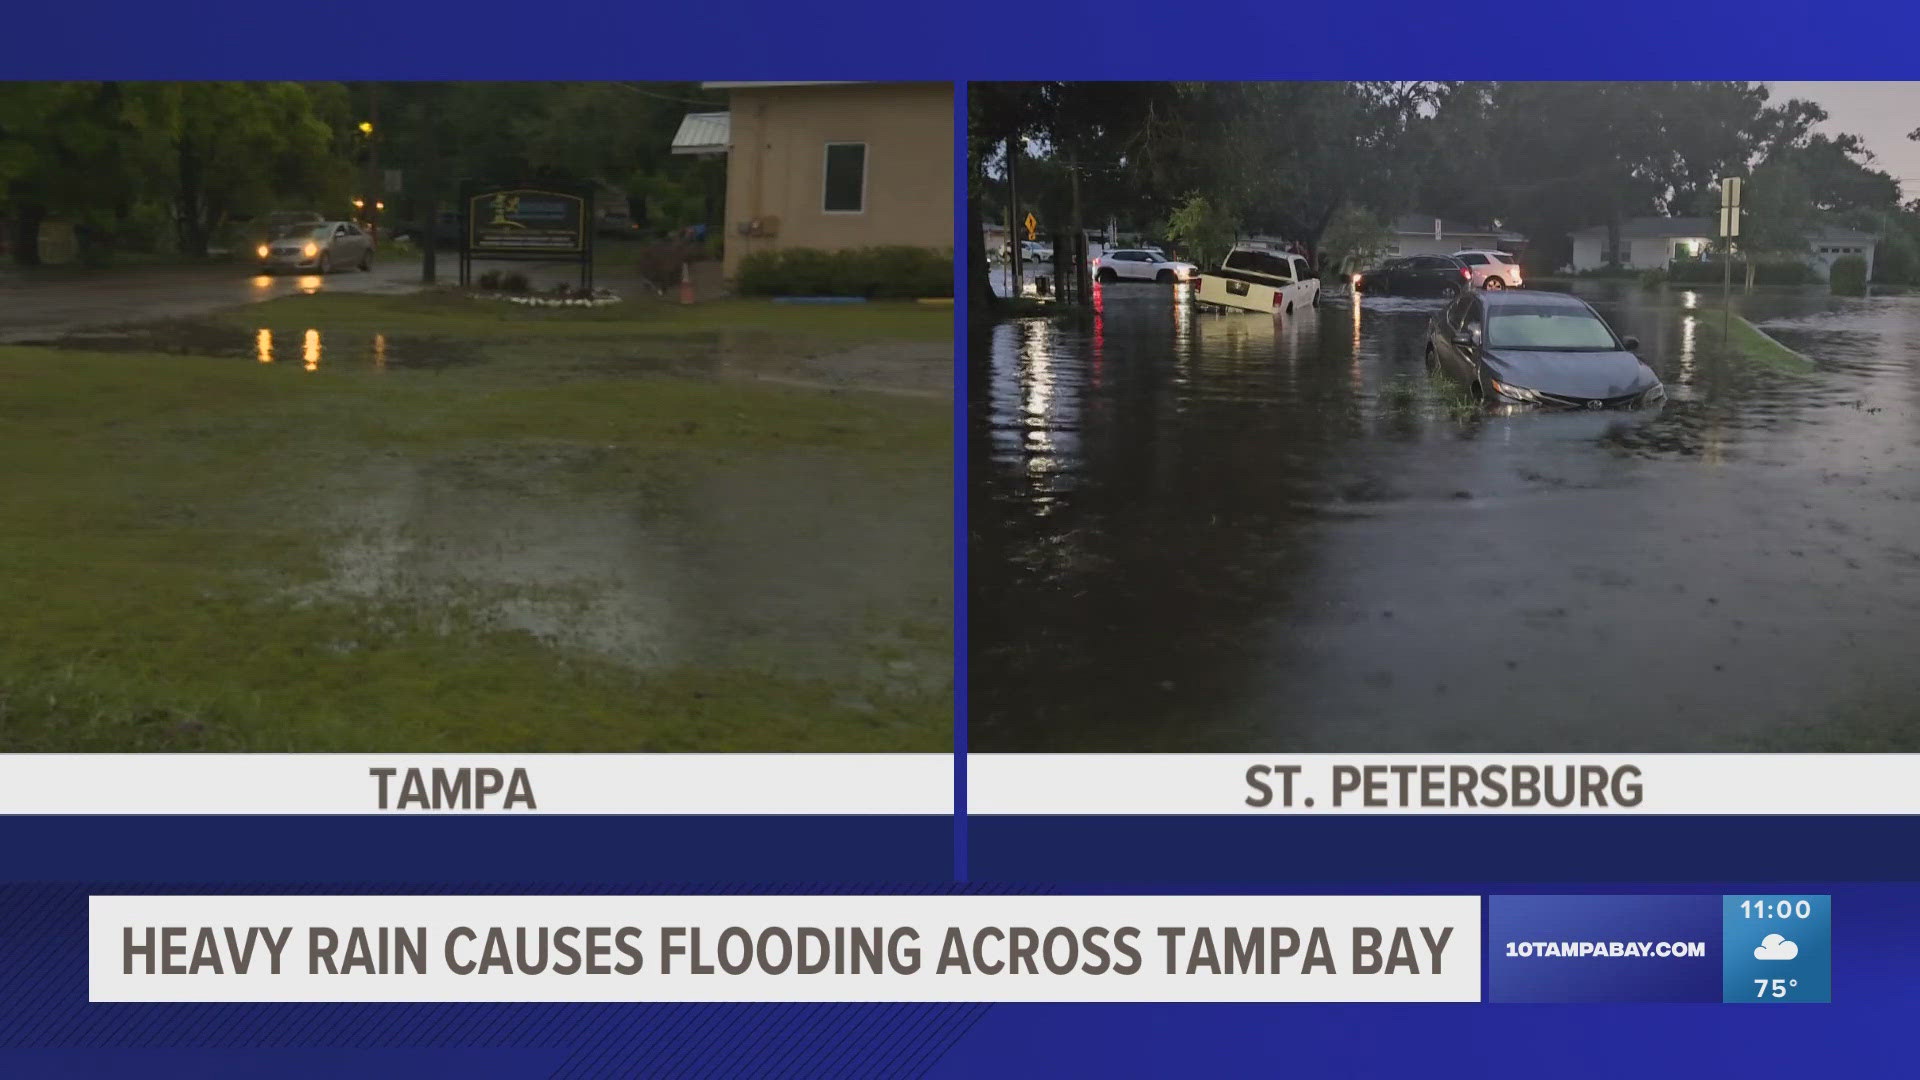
(1221, 532)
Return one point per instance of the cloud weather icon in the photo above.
(1775, 947)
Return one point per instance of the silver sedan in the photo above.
(330, 245)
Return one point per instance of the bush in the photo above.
(1653, 279)
(659, 261)
(490, 280)
(1848, 276)
(1765, 272)
(879, 273)
(515, 282)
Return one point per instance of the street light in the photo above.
(366, 127)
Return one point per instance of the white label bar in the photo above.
(476, 783)
(784, 948)
(1443, 784)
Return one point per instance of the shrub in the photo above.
(1848, 276)
(1765, 272)
(659, 262)
(1653, 279)
(515, 282)
(490, 280)
(897, 272)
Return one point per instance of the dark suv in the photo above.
(1416, 275)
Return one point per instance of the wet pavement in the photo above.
(1219, 532)
(52, 301)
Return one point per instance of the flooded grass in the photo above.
(1749, 342)
(517, 551)
(1431, 394)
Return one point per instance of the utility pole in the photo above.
(1016, 278)
(1082, 288)
(375, 186)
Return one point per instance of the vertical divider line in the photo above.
(961, 248)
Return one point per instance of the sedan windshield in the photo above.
(1548, 328)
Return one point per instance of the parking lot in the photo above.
(1221, 532)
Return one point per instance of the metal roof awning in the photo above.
(703, 133)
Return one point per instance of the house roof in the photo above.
(703, 133)
(1841, 232)
(1673, 228)
(1422, 225)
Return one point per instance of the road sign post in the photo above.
(1729, 231)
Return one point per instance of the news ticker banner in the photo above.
(1747, 949)
(734, 948)
(919, 784)
(911, 784)
(1458, 784)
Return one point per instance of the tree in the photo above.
(1354, 238)
(1205, 229)
(1778, 217)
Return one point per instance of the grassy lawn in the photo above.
(430, 523)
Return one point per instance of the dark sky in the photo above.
(1881, 113)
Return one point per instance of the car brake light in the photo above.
(1277, 298)
(1465, 273)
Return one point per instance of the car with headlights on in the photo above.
(1142, 264)
(1538, 349)
(320, 248)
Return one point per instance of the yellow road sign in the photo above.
(1032, 223)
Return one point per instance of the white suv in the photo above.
(1142, 264)
(1491, 269)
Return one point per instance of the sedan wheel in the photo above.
(1105, 276)
(366, 261)
(325, 266)
(1449, 289)
(1494, 283)
(1164, 277)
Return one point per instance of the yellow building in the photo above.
(831, 165)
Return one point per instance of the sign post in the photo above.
(545, 222)
(1729, 230)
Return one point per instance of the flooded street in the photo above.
(1215, 532)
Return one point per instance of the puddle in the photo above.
(310, 349)
(802, 566)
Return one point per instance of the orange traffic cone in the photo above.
(686, 283)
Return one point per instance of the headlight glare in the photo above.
(311, 250)
(1512, 393)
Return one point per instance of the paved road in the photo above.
(1219, 532)
(38, 304)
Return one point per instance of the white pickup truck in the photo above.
(1260, 279)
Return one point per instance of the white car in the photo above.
(1142, 264)
(1491, 269)
(1260, 279)
(1036, 251)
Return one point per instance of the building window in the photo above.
(846, 178)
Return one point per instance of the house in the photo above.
(1425, 234)
(1830, 243)
(1651, 243)
(1646, 243)
(830, 165)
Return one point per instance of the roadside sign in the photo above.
(1730, 206)
(551, 222)
(1033, 224)
(1730, 221)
